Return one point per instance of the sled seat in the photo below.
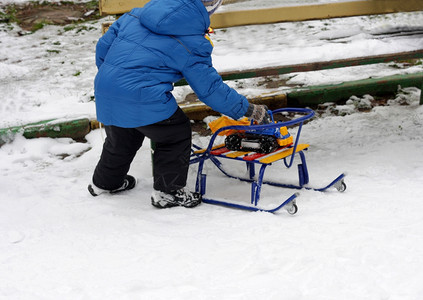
(254, 157)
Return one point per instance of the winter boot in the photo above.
(128, 183)
(181, 197)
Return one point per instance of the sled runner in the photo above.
(259, 146)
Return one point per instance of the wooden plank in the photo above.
(313, 12)
(280, 155)
(283, 14)
(315, 66)
(198, 112)
(219, 151)
(114, 7)
(118, 7)
(213, 148)
(323, 65)
(76, 129)
(236, 154)
(313, 95)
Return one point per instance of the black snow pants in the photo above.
(172, 138)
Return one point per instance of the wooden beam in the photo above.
(76, 129)
(312, 12)
(324, 65)
(199, 111)
(315, 66)
(333, 93)
(118, 7)
(284, 14)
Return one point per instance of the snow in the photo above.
(58, 242)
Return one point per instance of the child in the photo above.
(139, 58)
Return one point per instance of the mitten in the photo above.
(258, 113)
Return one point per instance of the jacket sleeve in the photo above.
(104, 43)
(210, 88)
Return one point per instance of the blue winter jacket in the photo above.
(147, 50)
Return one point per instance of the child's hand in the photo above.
(258, 113)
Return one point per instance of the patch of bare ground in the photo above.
(34, 15)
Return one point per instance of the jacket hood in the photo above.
(175, 17)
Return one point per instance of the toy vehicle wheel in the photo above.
(342, 187)
(268, 144)
(292, 209)
(233, 142)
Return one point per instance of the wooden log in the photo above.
(76, 129)
(334, 93)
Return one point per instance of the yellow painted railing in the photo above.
(284, 14)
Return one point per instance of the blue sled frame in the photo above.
(257, 181)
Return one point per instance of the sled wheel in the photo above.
(292, 209)
(341, 187)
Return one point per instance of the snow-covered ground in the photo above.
(58, 242)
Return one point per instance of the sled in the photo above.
(252, 158)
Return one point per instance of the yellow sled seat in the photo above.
(262, 158)
(280, 155)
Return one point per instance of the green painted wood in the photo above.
(334, 93)
(313, 95)
(79, 128)
(76, 129)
